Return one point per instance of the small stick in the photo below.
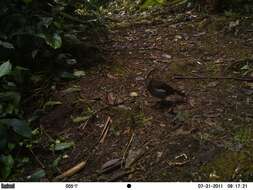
(105, 130)
(136, 159)
(172, 163)
(127, 148)
(215, 78)
(45, 132)
(83, 125)
(37, 159)
(71, 171)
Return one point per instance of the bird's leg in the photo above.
(163, 103)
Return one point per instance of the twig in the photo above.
(72, 18)
(250, 79)
(127, 148)
(37, 159)
(83, 125)
(48, 136)
(105, 130)
(174, 163)
(136, 159)
(71, 171)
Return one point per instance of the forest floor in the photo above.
(116, 125)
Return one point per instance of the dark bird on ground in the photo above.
(160, 89)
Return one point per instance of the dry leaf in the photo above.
(111, 165)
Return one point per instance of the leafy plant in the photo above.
(243, 136)
(37, 175)
(31, 31)
(24, 33)
(13, 128)
(7, 164)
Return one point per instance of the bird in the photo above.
(160, 89)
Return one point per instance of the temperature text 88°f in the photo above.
(71, 186)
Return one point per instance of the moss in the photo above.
(118, 70)
(129, 118)
(229, 166)
(243, 136)
(181, 66)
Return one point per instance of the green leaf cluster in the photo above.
(13, 128)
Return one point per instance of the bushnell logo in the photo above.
(7, 185)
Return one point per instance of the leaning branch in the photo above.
(75, 19)
(214, 78)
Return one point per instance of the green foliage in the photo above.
(20, 127)
(5, 69)
(54, 40)
(13, 128)
(7, 164)
(36, 176)
(29, 30)
(63, 146)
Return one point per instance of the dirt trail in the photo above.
(208, 138)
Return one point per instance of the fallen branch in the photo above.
(71, 171)
(75, 19)
(215, 78)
